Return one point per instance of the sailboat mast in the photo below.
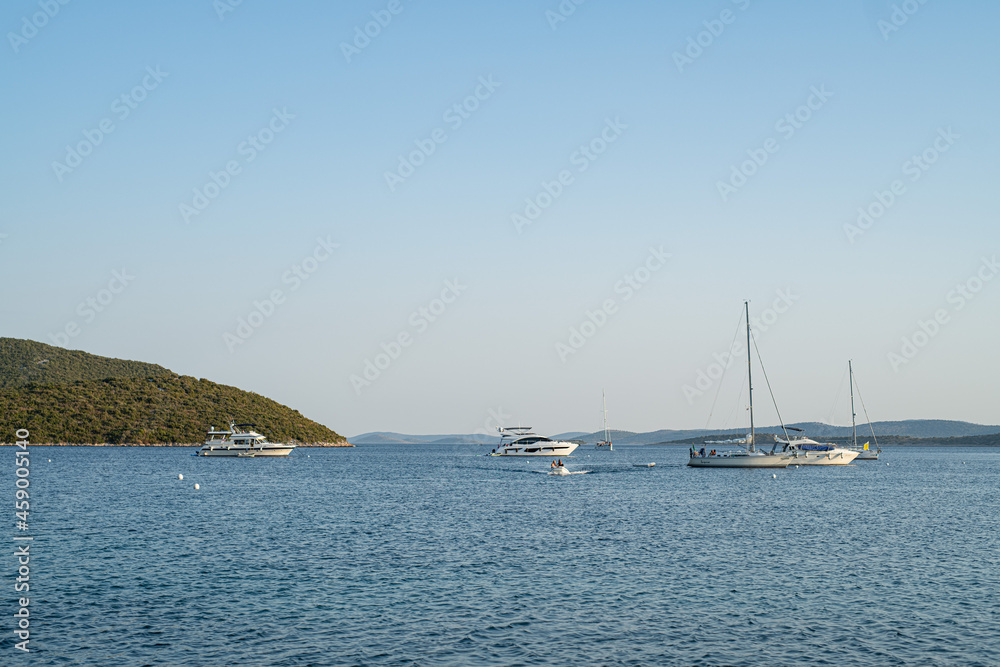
(854, 426)
(746, 304)
(604, 403)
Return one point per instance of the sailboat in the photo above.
(750, 457)
(865, 452)
(607, 434)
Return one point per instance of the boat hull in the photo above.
(740, 461)
(837, 457)
(549, 449)
(245, 452)
(867, 456)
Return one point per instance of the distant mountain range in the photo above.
(911, 428)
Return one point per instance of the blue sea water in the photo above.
(437, 555)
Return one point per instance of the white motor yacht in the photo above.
(520, 441)
(808, 452)
(241, 441)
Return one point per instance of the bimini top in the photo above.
(816, 448)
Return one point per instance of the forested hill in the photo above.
(25, 362)
(68, 405)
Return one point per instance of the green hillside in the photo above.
(157, 407)
(25, 362)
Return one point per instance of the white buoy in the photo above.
(196, 487)
(180, 476)
(50, 460)
(774, 476)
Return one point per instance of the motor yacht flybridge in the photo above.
(241, 441)
(520, 441)
(750, 457)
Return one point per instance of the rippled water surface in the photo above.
(436, 555)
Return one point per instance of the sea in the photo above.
(440, 555)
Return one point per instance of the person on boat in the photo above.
(712, 453)
(561, 463)
(553, 464)
(701, 452)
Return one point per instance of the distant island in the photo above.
(69, 397)
(913, 432)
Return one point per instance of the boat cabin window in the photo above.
(531, 440)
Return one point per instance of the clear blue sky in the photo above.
(201, 86)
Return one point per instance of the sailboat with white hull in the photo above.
(750, 457)
(607, 434)
(865, 452)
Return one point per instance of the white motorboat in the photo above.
(808, 452)
(865, 452)
(241, 441)
(520, 441)
(749, 457)
(561, 471)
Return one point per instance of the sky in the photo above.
(434, 217)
